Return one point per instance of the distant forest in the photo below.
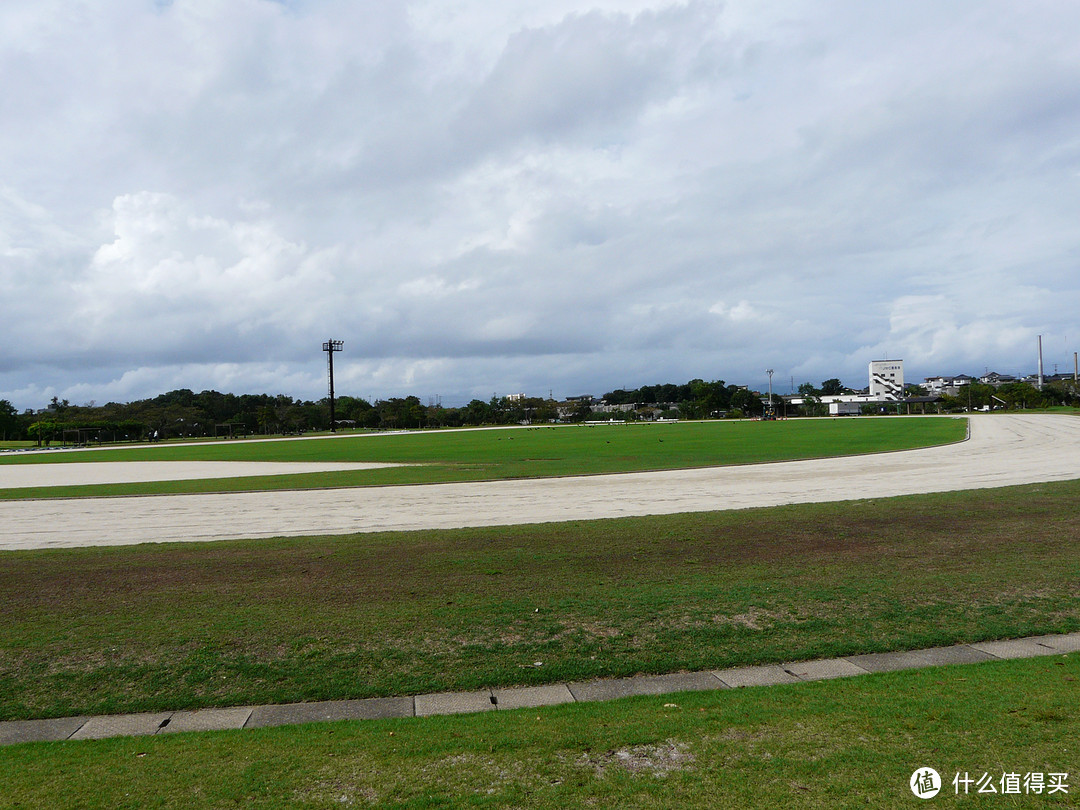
(185, 414)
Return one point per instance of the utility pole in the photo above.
(330, 347)
(1040, 364)
(769, 371)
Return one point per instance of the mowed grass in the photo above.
(104, 630)
(441, 456)
(845, 743)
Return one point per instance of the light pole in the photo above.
(330, 347)
(769, 371)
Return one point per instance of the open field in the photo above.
(251, 621)
(846, 743)
(106, 630)
(491, 454)
(1003, 450)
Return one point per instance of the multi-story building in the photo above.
(886, 380)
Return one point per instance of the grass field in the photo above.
(847, 743)
(516, 453)
(103, 630)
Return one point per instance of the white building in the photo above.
(887, 380)
(886, 386)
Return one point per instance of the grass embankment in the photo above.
(516, 453)
(103, 630)
(846, 743)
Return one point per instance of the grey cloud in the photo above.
(588, 71)
(552, 196)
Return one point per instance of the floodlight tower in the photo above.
(330, 347)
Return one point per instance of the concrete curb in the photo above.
(13, 732)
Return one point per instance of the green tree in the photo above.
(359, 411)
(267, 417)
(1021, 395)
(832, 387)
(621, 397)
(1066, 391)
(710, 397)
(747, 401)
(581, 412)
(978, 395)
(544, 410)
(10, 426)
(44, 431)
(477, 412)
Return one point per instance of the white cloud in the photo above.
(934, 331)
(742, 312)
(170, 274)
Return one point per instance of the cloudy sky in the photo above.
(489, 196)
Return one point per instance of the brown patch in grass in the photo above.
(653, 760)
(573, 625)
(754, 619)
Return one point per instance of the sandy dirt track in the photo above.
(19, 476)
(1003, 450)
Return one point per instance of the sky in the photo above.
(563, 197)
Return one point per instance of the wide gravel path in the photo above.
(1002, 450)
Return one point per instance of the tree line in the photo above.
(696, 399)
(185, 414)
(1013, 396)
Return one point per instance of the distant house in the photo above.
(947, 386)
(1056, 378)
(995, 379)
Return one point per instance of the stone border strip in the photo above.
(87, 728)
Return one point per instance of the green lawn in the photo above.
(517, 453)
(846, 743)
(102, 630)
